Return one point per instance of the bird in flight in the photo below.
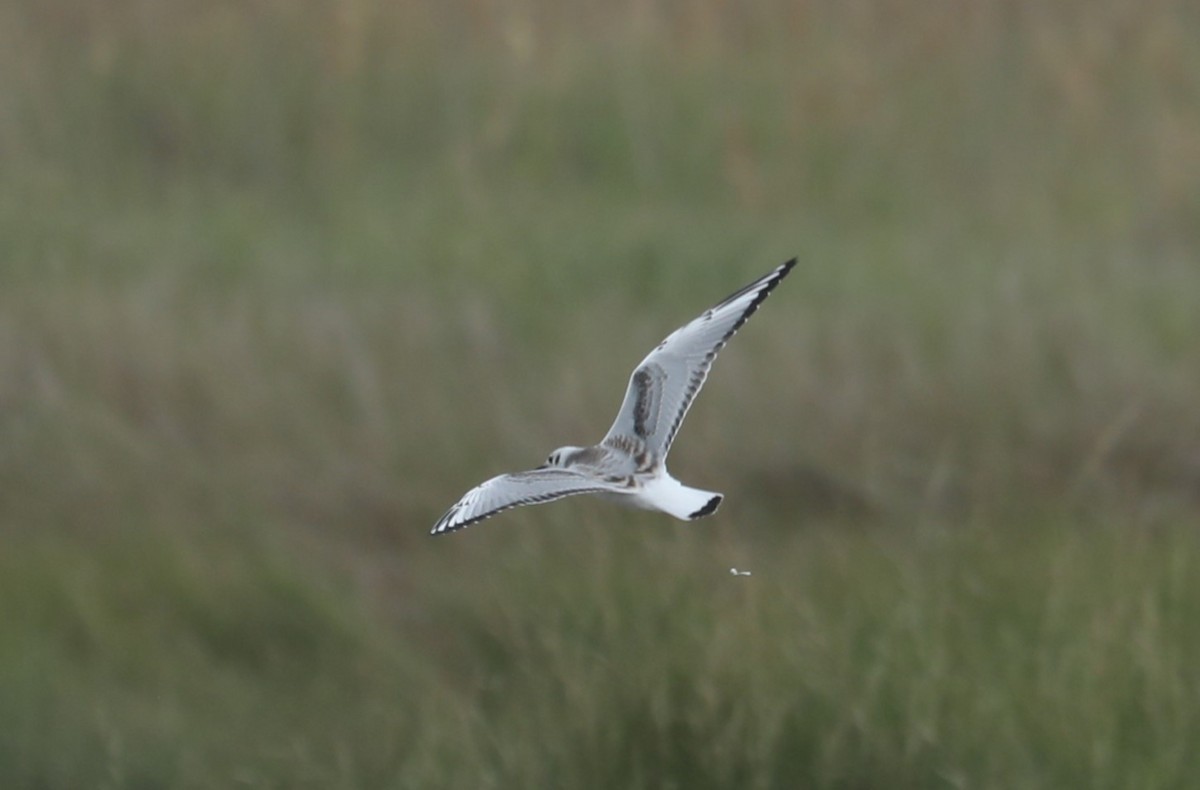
(629, 465)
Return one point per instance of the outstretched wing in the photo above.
(522, 488)
(664, 385)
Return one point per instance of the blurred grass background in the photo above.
(279, 281)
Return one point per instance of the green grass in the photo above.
(600, 655)
(278, 284)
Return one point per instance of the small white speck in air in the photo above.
(736, 572)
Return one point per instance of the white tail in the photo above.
(671, 496)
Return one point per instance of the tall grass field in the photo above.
(280, 281)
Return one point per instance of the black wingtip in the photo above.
(782, 271)
(709, 508)
(443, 525)
(763, 286)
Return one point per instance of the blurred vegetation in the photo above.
(279, 281)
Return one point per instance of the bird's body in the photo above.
(629, 463)
(638, 478)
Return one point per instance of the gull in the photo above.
(629, 465)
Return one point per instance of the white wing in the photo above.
(522, 488)
(664, 385)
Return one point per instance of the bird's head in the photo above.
(560, 457)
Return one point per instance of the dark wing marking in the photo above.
(513, 490)
(663, 386)
(647, 384)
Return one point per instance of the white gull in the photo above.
(629, 464)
